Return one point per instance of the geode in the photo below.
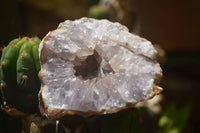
(93, 67)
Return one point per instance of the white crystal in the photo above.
(95, 65)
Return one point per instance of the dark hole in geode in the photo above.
(89, 68)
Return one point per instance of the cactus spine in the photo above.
(19, 82)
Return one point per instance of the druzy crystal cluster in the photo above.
(94, 67)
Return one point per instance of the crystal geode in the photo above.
(95, 67)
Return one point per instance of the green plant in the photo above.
(19, 82)
(173, 119)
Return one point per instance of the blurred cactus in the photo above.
(98, 12)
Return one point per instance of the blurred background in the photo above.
(173, 26)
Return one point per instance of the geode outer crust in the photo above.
(93, 66)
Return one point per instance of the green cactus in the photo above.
(19, 82)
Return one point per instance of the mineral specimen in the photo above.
(95, 67)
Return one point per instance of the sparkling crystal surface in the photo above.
(93, 65)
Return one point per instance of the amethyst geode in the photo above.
(95, 67)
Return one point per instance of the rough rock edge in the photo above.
(54, 113)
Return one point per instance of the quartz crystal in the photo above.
(94, 66)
